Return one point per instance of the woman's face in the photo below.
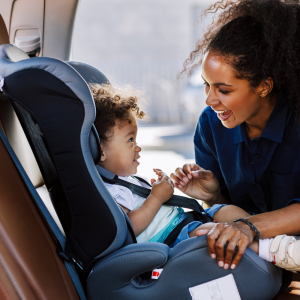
(232, 99)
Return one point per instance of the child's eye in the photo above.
(130, 140)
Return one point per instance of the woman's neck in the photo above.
(257, 124)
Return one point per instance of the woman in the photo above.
(247, 142)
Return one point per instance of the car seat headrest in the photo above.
(91, 75)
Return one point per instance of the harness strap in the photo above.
(175, 200)
(192, 216)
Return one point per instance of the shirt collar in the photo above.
(275, 126)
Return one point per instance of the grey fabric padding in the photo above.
(91, 75)
(88, 72)
(186, 265)
(107, 174)
(12, 53)
(94, 143)
(75, 82)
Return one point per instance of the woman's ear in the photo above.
(266, 87)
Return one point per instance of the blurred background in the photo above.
(144, 44)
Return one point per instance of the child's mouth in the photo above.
(136, 160)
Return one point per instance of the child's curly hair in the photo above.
(112, 104)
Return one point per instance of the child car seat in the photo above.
(56, 109)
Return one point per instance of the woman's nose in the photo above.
(212, 100)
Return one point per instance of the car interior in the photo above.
(50, 188)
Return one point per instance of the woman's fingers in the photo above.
(203, 174)
(201, 232)
(232, 243)
(211, 240)
(243, 244)
(179, 177)
(217, 239)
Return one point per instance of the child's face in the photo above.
(120, 153)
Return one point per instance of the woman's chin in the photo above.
(229, 125)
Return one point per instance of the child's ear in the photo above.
(103, 155)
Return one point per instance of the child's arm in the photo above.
(229, 213)
(141, 217)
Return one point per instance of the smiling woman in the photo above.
(247, 140)
(234, 101)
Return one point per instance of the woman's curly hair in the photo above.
(259, 39)
(113, 104)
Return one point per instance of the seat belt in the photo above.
(175, 200)
(44, 211)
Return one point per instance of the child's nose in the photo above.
(137, 148)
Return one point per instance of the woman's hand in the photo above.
(236, 234)
(197, 182)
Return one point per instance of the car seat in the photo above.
(56, 109)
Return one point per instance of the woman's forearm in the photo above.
(219, 198)
(281, 221)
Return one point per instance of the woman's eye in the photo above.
(223, 92)
(206, 84)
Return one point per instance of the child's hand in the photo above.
(163, 187)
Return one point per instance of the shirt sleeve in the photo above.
(122, 195)
(293, 201)
(205, 151)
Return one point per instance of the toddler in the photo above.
(116, 115)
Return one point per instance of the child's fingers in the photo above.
(152, 181)
(158, 171)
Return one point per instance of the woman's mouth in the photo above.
(224, 115)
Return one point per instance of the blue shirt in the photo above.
(258, 175)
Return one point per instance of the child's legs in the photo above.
(229, 213)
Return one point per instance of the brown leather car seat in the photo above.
(29, 265)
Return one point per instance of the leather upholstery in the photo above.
(29, 265)
(4, 39)
(292, 292)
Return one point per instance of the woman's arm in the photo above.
(270, 224)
